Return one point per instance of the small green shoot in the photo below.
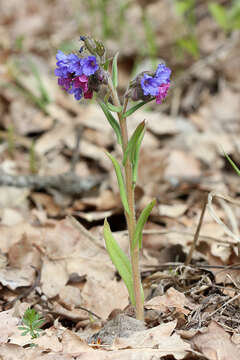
(233, 164)
(32, 323)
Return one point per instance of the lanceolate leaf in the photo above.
(134, 108)
(120, 182)
(131, 146)
(114, 108)
(119, 259)
(115, 71)
(233, 164)
(135, 158)
(137, 238)
(112, 121)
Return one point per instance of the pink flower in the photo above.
(162, 93)
(82, 82)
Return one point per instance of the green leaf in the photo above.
(119, 259)
(120, 182)
(135, 158)
(220, 15)
(134, 108)
(114, 108)
(115, 71)
(131, 146)
(25, 332)
(37, 323)
(233, 164)
(137, 237)
(112, 121)
(22, 328)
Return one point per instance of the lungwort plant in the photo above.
(84, 73)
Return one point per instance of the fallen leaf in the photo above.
(216, 344)
(172, 299)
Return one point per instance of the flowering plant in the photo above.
(87, 72)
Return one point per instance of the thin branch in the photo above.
(196, 236)
(67, 183)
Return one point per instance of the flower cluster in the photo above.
(157, 85)
(74, 73)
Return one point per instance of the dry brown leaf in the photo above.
(12, 234)
(28, 119)
(49, 340)
(14, 278)
(182, 164)
(70, 297)
(73, 344)
(23, 253)
(216, 344)
(160, 338)
(11, 217)
(102, 297)
(8, 324)
(54, 277)
(172, 299)
(173, 211)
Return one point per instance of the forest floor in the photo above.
(58, 186)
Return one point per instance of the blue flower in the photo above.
(73, 74)
(75, 64)
(62, 59)
(162, 74)
(157, 85)
(149, 85)
(77, 92)
(62, 71)
(89, 65)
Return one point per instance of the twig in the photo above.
(170, 265)
(82, 229)
(68, 183)
(225, 304)
(88, 311)
(196, 236)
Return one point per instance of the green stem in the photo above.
(131, 217)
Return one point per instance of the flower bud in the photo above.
(95, 47)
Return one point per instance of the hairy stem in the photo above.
(131, 218)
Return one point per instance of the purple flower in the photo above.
(77, 92)
(65, 82)
(149, 85)
(162, 93)
(89, 65)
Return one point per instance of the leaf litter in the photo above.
(62, 269)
